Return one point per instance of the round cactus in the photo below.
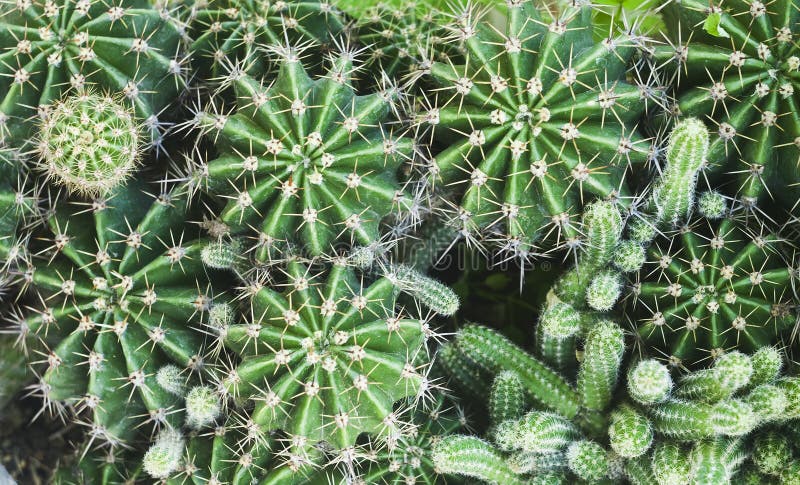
(629, 257)
(121, 292)
(202, 406)
(539, 121)
(403, 39)
(326, 359)
(307, 161)
(50, 47)
(712, 205)
(771, 453)
(228, 34)
(603, 291)
(670, 464)
(630, 433)
(89, 143)
(587, 460)
(649, 382)
(712, 287)
(747, 87)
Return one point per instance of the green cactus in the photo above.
(599, 371)
(232, 34)
(539, 121)
(604, 291)
(472, 457)
(403, 40)
(630, 256)
(120, 292)
(630, 433)
(771, 453)
(307, 161)
(165, 457)
(327, 358)
(671, 465)
(714, 286)
(426, 291)
(49, 48)
(747, 88)
(556, 333)
(767, 364)
(712, 205)
(714, 461)
(89, 143)
(587, 460)
(408, 457)
(537, 432)
(649, 382)
(507, 399)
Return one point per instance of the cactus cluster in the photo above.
(301, 242)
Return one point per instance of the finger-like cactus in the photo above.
(307, 161)
(559, 324)
(629, 432)
(539, 121)
(599, 371)
(89, 143)
(472, 457)
(587, 460)
(714, 286)
(507, 399)
(327, 358)
(230, 33)
(649, 382)
(747, 88)
(49, 47)
(121, 291)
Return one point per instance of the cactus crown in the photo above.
(89, 143)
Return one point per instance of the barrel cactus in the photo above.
(712, 287)
(325, 359)
(403, 40)
(539, 121)
(746, 86)
(119, 291)
(89, 143)
(228, 34)
(50, 47)
(307, 161)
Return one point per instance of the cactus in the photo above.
(539, 121)
(89, 143)
(507, 399)
(120, 291)
(629, 257)
(165, 456)
(229, 34)
(326, 359)
(537, 432)
(426, 290)
(630, 433)
(602, 356)
(473, 457)
(603, 291)
(671, 465)
(558, 326)
(403, 40)
(714, 286)
(712, 205)
(587, 460)
(746, 88)
(308, 161)
(129, 47)
(649, 382)
(771, 453)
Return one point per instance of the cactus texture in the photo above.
(539, 121)
(89, 143)
(713, 286)
(403, 40)
(473, 457)
(51, 47)
(326, 358)
(307, 161)
(119, 292)
(229, 34)
(747, 88)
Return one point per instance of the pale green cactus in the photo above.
(89, 143)
(165, 456)
(426, 291)
(556, 332)
(712, 205)
(536, 432)
(630, 433)
(587, 460)
(507, 398)
(671, 465)
(604, 291)
(629, 256)
(771, 453)
(599, 371)
(649, 382)
(472, 457)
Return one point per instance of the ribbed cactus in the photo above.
(507, 399)
(326, 358)
(747, 88)
(89, 143)
(559, 325)
(473, 457)
(630, 433)
(308, 161)
(51, 47)
(599, 371)
(587, 460)
(427, 291)
(228, 34)
(539, 121)
(119, 292)
(649, 382)
(714, 286)
(403, 39)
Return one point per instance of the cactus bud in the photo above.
(630, 433)
(165, 456)
(712, 205)
(629, 256)
(170, 379)
(426, 290)
(603, 291)
(649, 382)
(202, 407)
(670, 464)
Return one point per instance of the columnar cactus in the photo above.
(307, 161)
(50, 47)
(539, 120)
(714, 286)
(473, 457)
(228, 34)
(89, 143)
(326, 359)
(747, 87)
(119, 292)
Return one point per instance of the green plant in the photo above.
(229, 34)
(747, 88)
(539, 121)
(326, 359)
(119, 291)
(52, 47)
(89, 143)
(307, 161)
